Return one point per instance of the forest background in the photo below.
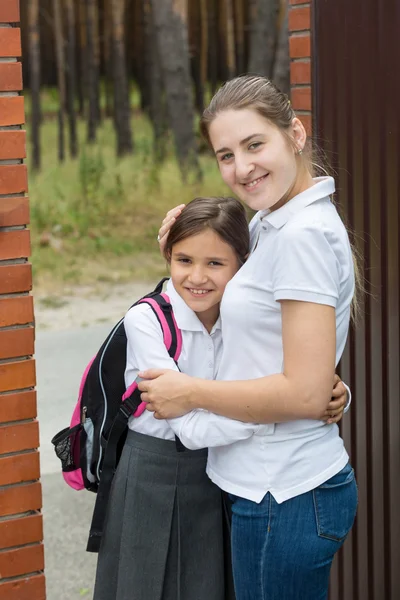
(113, 94)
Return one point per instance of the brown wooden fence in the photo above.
(356, 104)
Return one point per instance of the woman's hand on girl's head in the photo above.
(166, 393)
(336, 406)
(168, 221)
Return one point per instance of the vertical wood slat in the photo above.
(352, 93)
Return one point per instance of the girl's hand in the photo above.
(336, 406)
(166, 392)
(169, 219)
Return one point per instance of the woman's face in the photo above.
(255, 159)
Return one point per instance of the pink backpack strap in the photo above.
(172, 338)
(171, 332)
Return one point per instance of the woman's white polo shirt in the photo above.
(301, 252)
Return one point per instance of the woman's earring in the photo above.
(300, 151)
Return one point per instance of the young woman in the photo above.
(285, 318)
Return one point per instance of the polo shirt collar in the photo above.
(185, 317)
(323, 187)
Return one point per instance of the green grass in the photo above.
(96, 218)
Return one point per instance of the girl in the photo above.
(285, 318)
(164, 535)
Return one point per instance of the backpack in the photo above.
(90, 448)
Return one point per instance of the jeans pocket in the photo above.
(335, 503)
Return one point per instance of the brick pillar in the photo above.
(300, 60)
(21, 531)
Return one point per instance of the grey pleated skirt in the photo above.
(167, 528)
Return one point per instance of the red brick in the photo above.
(16, 499)
(300, 72)
(300, 46)
(12, 144)
(11, 110)
(20, 531)
(27, 588)
(16, 311)
(301, 98)
(17, 376)
(22, 436)
(300, 18)
(13, 179)
(15, 278)
(15, 244)
(17, 406)
(15, 343)
(14, 211)
(19, 467)
(9, 11)
(10, 41)
(21, 560)
(11, 77)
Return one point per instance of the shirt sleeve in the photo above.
(145, 343)
(203, 429)
(305, 265)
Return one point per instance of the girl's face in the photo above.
(201, 266)
(255, 159)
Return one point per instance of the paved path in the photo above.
(61, 357)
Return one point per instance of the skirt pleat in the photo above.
(167, 529)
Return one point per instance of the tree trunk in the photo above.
(92, 76)
(281, 76)
(204, 47)
(108, 58)
(97, 60)
(195, 32)
(34, 75)
(71, 73)
(121, 87)
(157, 105)
(239, 30)
(170, 18)
(59, 41)
(82, 62)
(213, 46)
(145, 48)
(230, 39)
(263, 36)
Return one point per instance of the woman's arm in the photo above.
(302, 391)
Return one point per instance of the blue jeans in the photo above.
(285, 551)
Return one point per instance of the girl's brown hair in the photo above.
(225, 216)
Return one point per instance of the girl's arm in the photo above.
(302, 391)
(146, 348)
